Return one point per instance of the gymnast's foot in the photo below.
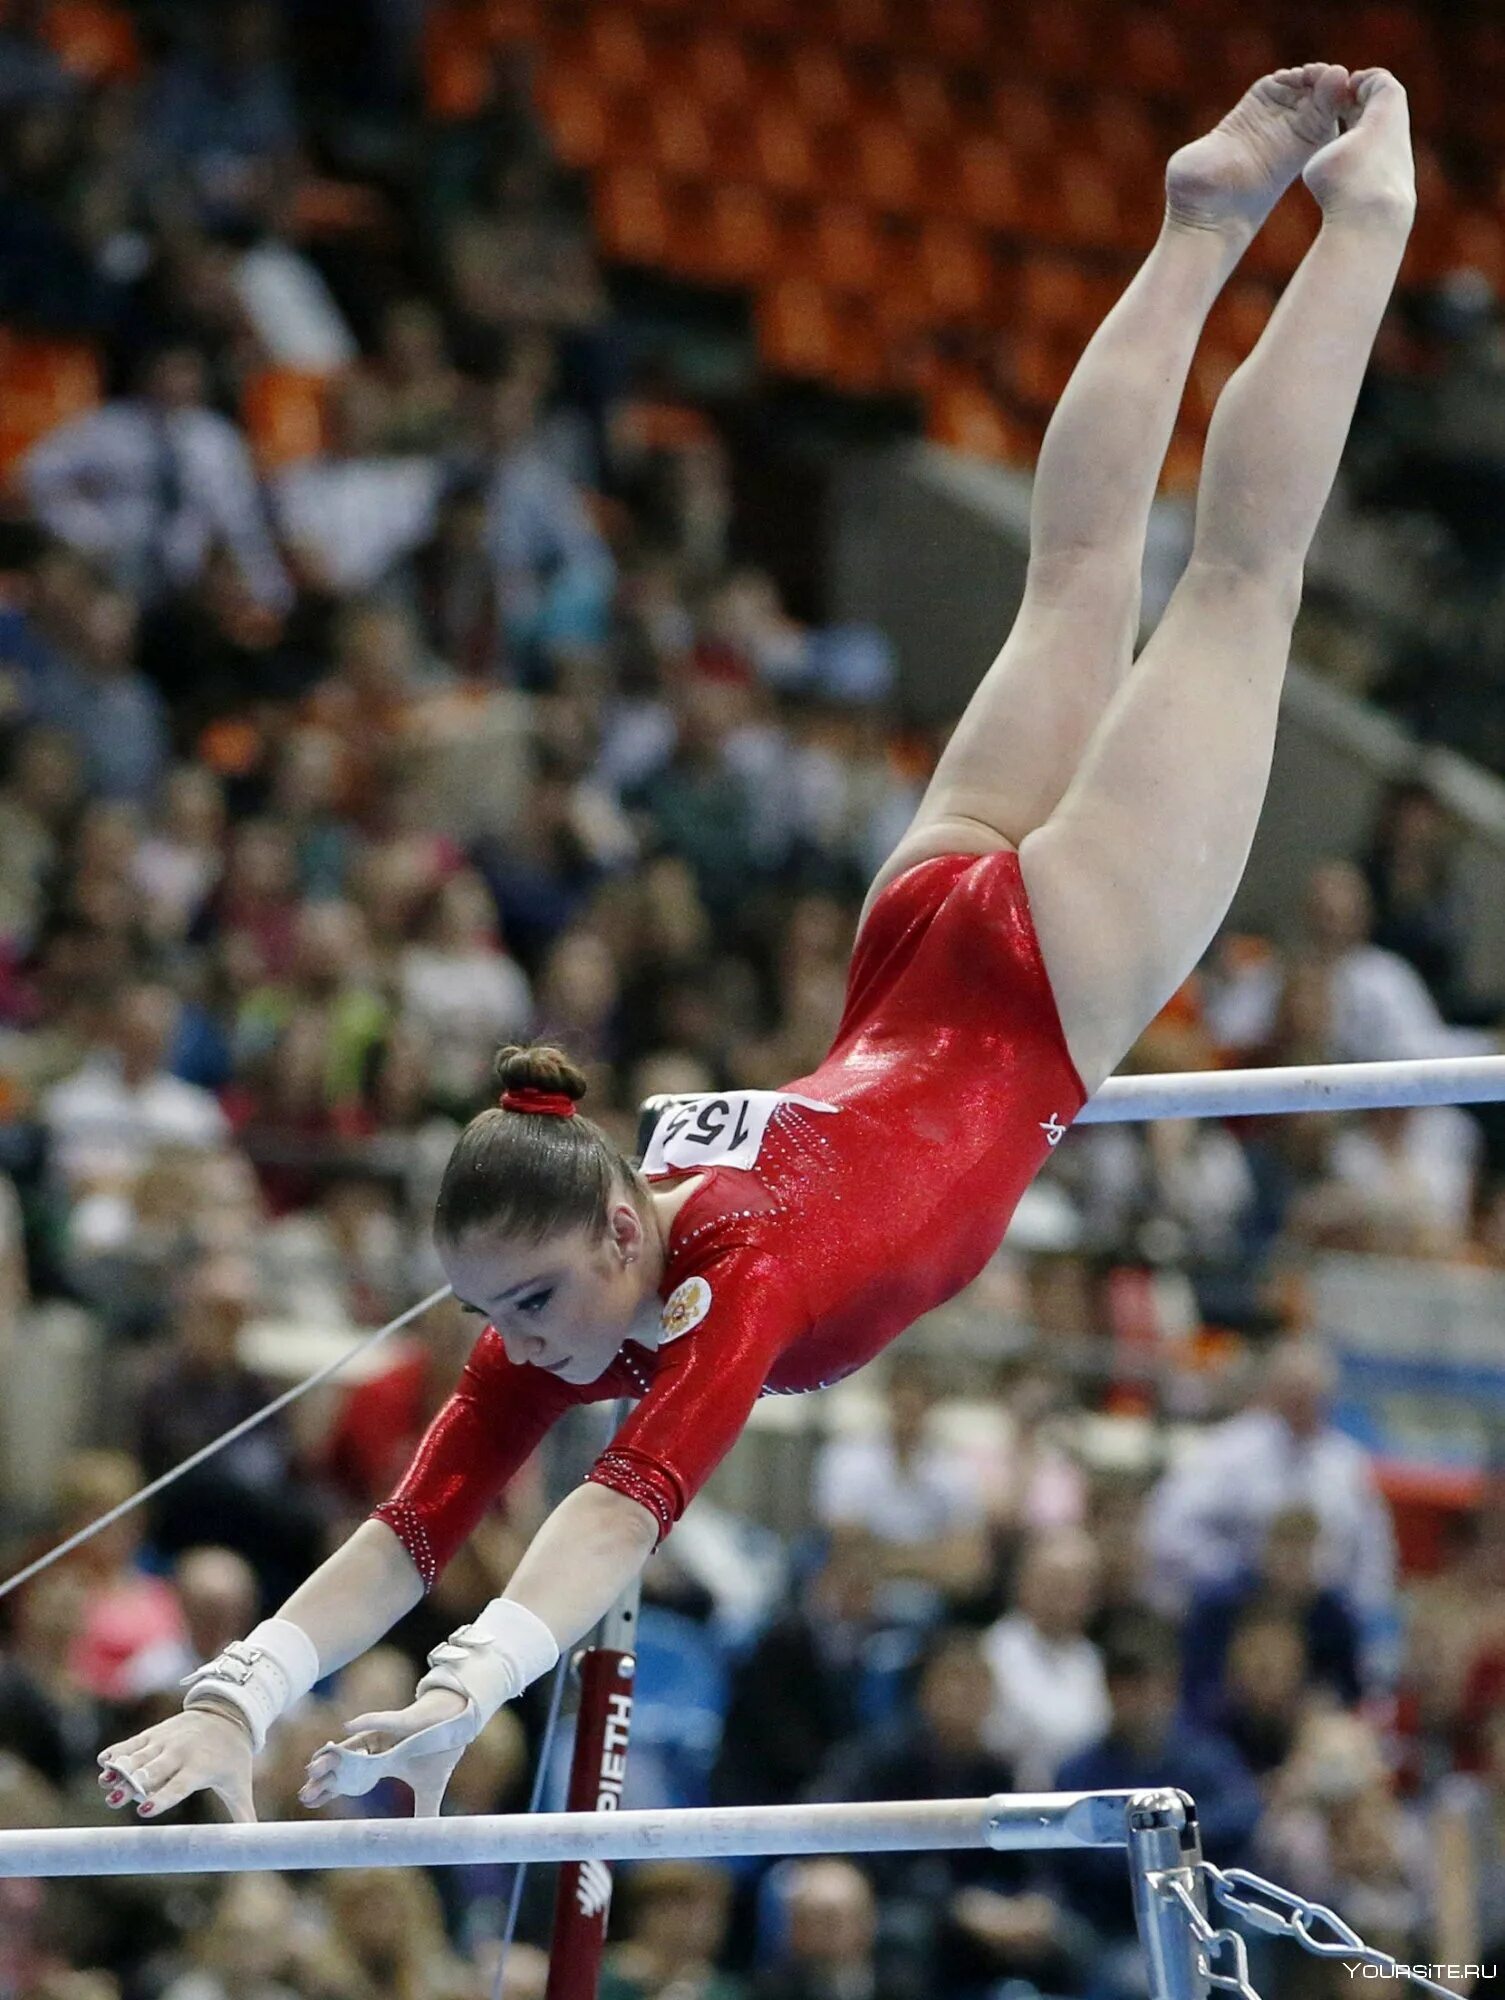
(1368, 172)
(1230, 179)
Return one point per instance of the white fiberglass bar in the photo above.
(1024, 1820)
(1249, 1093)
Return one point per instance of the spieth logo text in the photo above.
(614, 1752)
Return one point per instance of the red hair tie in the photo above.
(550, 1103)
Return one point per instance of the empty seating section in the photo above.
(943, 197)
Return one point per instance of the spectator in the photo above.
(1265, 1689)
(902, 1487)
(111, 710)
(1419, 910)
(459, 987)
(177, 866)
(380, 1421)
(1149, 1744)
(1049, 1695)
(353, 511)
(830, 1949)
(107, 1119)
(553, 571)
(1335, 1833)
(192, 1388)
(218, 1596)
(149, 485)
(981, 1914)
(48, 1717)
(1211, 1513)
(1379, 1006)
(675, 1935)
(452, 586)
(1285, 1580)
(248, 1949)
(338, 1262)
(420, 386)
(388, 1937)
(126, 1612)
(37, 799)
(811, 1678)
(220, 124)
(1468, 1841)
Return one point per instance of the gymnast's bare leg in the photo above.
(1027, 727)
(1134, 870)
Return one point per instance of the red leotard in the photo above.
(948, 1083)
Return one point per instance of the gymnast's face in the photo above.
(566, 1304)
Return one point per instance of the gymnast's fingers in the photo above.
(110, 1758)
(152, 1777)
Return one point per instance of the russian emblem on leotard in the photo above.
(685, 1307)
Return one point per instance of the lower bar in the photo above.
(1045, 1819)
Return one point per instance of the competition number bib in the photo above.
(725, 1130)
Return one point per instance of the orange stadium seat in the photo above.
(821, 86)
(857, 23)
(783, 153)
(744, 236)
(954, 268)
(720, 71)
(1062, 42)
(42, 384)
(679, 137)
(810, 333)
(847, 248)
(885, 166)
(922, 101)
(284, 411)
(1246, 50)
(1041, 367)
(616, 49)
(961, 413)
(959, 31)
(1023, 117)
(1083, 206)
(798, 328)
(576, 112)
(984, 181)
(1147, 56)
(1284, 240)
(92, 39)
(459, 70)
(632, 215)
(1059, 295)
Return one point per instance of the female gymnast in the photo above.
(1079, 845)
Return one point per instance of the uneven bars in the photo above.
(1251, 1093)
(1028, 1820)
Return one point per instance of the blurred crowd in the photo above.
(319, 781)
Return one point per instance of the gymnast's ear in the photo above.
(625, 1228)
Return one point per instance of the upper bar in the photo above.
(1044, 1819)
(1249, 1093)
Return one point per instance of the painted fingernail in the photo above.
(147, 1809)
(115, 1799)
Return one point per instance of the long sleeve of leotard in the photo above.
(485, 1433)
(749, 1309)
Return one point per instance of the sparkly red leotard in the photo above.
(833, 1213)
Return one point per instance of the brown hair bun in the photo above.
(540, 1067)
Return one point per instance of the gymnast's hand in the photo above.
(201, 1749)
(419, 1745)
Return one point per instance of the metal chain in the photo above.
(1278, 1913)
